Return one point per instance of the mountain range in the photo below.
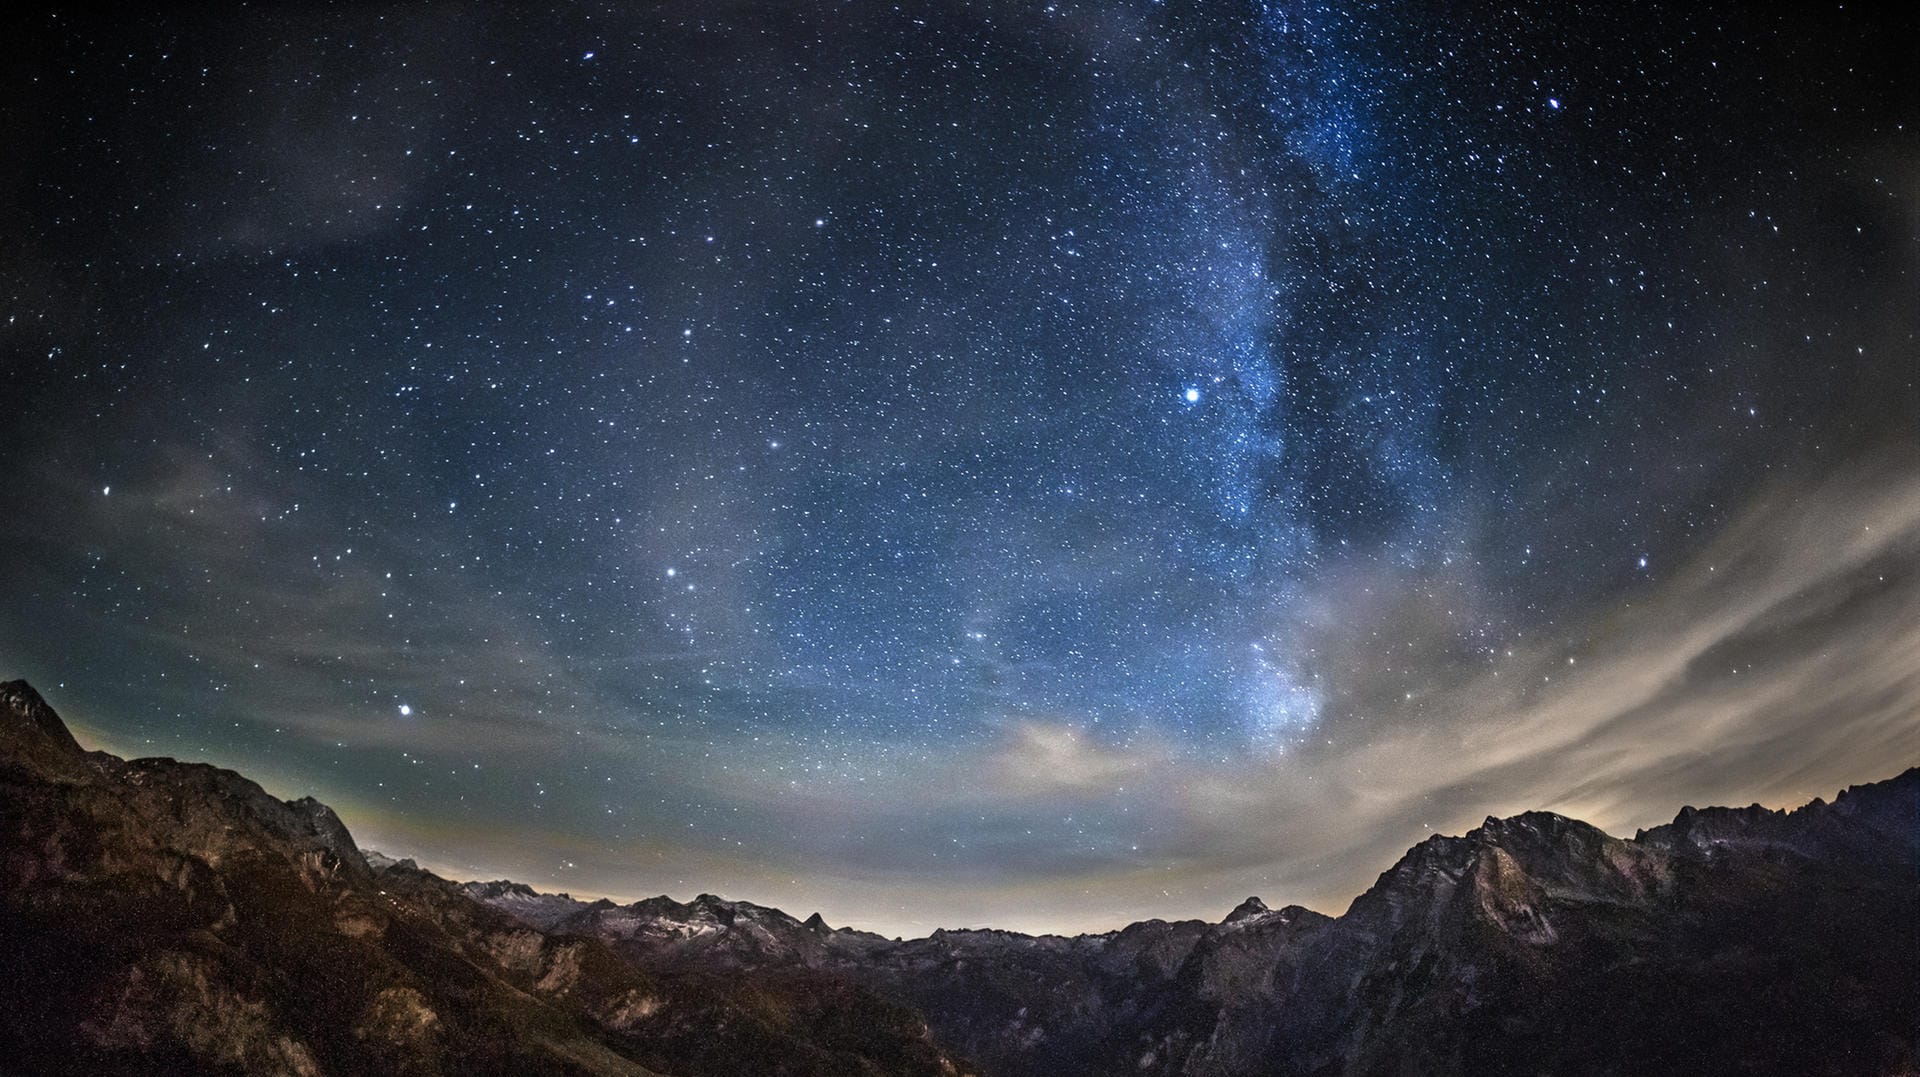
(161, 916)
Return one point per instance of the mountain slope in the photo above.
(1539, 944)
(158, 916)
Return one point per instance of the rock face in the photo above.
(543, 911)
(158, 916)
(165, 917)
(1733, 940)
(29, 718)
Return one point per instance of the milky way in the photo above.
(1032, 464)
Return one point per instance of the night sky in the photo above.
(1041, 465)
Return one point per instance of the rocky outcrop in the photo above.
(1539, 944)
(544, 911)
(167, 917)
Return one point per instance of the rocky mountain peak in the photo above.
(1534, 827)
(1249, 909)
(20, 703)
(379, 861)
(501, 887)
(1857, 821)
(1289, 914)
(715, 907)
(324, 825)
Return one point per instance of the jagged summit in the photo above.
(20, 702)
(1860, 819)
(544, 911)
(1534, 826)
(508, 886)
(1249, 909)
(379, 861)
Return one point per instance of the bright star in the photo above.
(1193, 396)
(405, 711)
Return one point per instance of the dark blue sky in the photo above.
(941, 460)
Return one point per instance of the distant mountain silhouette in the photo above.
(172, 917)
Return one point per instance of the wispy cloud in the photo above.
(1782, 662)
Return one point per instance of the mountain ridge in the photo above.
(1756, 824)
(160, 916)
(155, 909)
(1525, 887)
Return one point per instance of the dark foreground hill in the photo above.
(158, 916)
(166, 917)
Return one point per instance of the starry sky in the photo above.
(1032, 464)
